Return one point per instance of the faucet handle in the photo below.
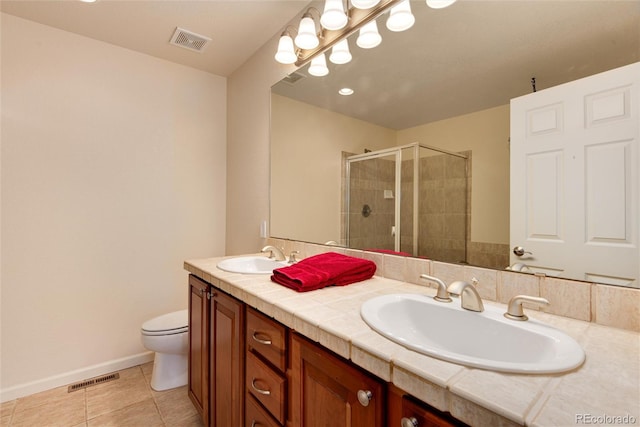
(292, 257)
(515, 311)
(442, 295)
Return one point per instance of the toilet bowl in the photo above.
(168, 337)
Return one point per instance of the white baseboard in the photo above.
(66, 378)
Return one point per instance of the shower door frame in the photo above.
(370, 156)
(397, 152)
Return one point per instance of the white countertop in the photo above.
(603, 391)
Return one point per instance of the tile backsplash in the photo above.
(606, 305)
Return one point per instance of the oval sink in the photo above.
(484, 340)
(250, 265)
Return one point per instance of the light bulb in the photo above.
(307, 37)
(318, 66)
(364, 4)
(369, 36)
(286, 54)
(340, 52)
(400, 17)
(334, 16)
(440, 4)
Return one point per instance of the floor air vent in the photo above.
(189, 40)
(93, 381)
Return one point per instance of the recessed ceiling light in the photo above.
(88, 1)
(346, 91)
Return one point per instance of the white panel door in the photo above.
(575, 185)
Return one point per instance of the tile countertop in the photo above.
(605, 390)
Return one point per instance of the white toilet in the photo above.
(168, 336)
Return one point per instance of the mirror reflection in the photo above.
(444, 83)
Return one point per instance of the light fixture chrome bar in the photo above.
(357, 19)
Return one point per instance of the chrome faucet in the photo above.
(292, 257)
(442, 295)
(274, 252)
(469, 296)
(514, 310)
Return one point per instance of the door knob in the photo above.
(409, 422)
(519, 251)
(364, 397)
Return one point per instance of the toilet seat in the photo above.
(167, 324)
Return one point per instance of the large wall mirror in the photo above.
(443, 86)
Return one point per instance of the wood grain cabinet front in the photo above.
(327, 390)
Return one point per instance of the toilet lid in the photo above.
(170, 323)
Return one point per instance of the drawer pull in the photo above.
(364, 397)
(260, 340)
(254, 423)
(409, 422)
(259, 390)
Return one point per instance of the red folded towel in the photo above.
(323, 270)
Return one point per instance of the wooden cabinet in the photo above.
(199, 346)
(266, 364)
(329, 391)
(216, 355)
(226, 360)
(246, 369)
(405, 411)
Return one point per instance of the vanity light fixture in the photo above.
(346, 91)
(318, 66)
(340, 53)
(307, 37)
(364, 4)
(400, 17)
(369, 36)
(440, 4)
(286, 53)
(337, 24)
(334, 16)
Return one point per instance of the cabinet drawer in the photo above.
(256, 416)
(267, 386)
(266, 337)
(424, 416)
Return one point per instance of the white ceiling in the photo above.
(473, 55)
(238, 28)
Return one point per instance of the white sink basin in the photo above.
(484, 340)
(250, 265)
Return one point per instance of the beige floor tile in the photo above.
(52, 396)
(6, 411)
(175, 406)
(131, 388)
(139, 414)
(51, 411)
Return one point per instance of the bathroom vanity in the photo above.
(264, 355)
(247, 369)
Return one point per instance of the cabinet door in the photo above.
(325, 390)
(227, 361)
(199, 346)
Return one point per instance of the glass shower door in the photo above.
(373, 200)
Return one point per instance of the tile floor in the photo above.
(127, 402)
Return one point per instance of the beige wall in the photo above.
(486, 133)
(306, 162)
(113, 173)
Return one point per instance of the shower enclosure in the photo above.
(410, 199)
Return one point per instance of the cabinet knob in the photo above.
(364, 397)
(409, 422)
(258, 389)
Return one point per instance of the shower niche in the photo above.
(412, 200)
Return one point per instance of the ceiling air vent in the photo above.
(293, 78)
(189, 40)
